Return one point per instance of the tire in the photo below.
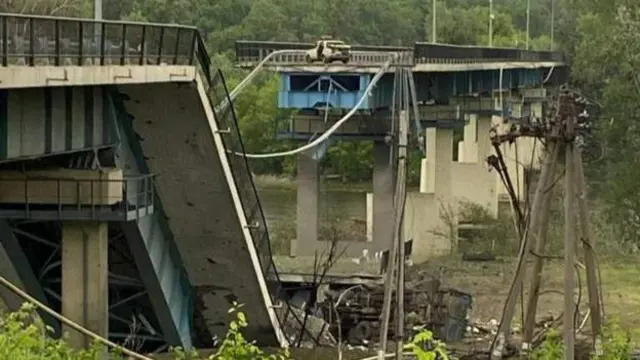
(308, 59)
(363, 331)
(345, 61)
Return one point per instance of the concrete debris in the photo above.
(316, 331)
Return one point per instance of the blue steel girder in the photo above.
(17, 259)
(153, 248)
(305, 91)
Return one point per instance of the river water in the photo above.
(342, 213)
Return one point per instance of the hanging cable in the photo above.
(238, 89)
(335, 126)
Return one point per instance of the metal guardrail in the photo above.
(38, 40)
(426, 53)
(126, 199)
(251, 52)
(248, 193)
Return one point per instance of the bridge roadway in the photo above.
(422, 57)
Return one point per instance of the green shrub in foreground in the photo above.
(23, 336)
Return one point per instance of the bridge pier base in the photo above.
(85, 279)
(307, 211)
(383, 193)
(471, 179)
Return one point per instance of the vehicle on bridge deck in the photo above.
(329, 51)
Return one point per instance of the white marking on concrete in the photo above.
(12, 77)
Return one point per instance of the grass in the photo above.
(489, 282)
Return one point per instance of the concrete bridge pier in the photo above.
(383, 195)
(307, 205)
(85, 281)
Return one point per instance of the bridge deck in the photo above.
(422, 57)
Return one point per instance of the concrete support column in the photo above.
(383, 192)
(468, 152)
(307, 219)
(484, 148)
(436, 168)
(85, 273)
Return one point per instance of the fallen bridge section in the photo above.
(181, 142)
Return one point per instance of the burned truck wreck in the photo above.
(353, 312)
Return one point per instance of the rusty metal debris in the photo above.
(355, 311)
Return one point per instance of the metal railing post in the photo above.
(192, 50)
(80, 42)
(123, 46)
(32, 43)
(5, 42)
(93, 205)
(78, 208)
(56, 32)
(175, 56)
(26, 197)
(160, 44)
(102, 44)
(143, 44)
(59, 193)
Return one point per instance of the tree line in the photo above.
(601, 38)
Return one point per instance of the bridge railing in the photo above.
(249, 53)
(40, 40)
(44, 198)
(243, 178)
(427, 53)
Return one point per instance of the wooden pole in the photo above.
(540, 237)
(569, 242)
(589, 252)
(399, 203)
(525, 248)
(391, 274)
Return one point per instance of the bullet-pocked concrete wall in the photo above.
(198, 203)
(39, 121)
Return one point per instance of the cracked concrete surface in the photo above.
(195, 195)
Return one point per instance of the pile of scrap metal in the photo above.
(356, 311)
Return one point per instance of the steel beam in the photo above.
(16, 267)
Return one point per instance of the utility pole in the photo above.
(394, 277)
(553, 19)
(560, 131)
(490, 23)
(97, 9)
(528, 23)
(434, 16)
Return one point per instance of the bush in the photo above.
(616, 344)
(24, 336)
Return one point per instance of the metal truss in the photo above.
(132, 321)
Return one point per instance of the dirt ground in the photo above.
(488, 283)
